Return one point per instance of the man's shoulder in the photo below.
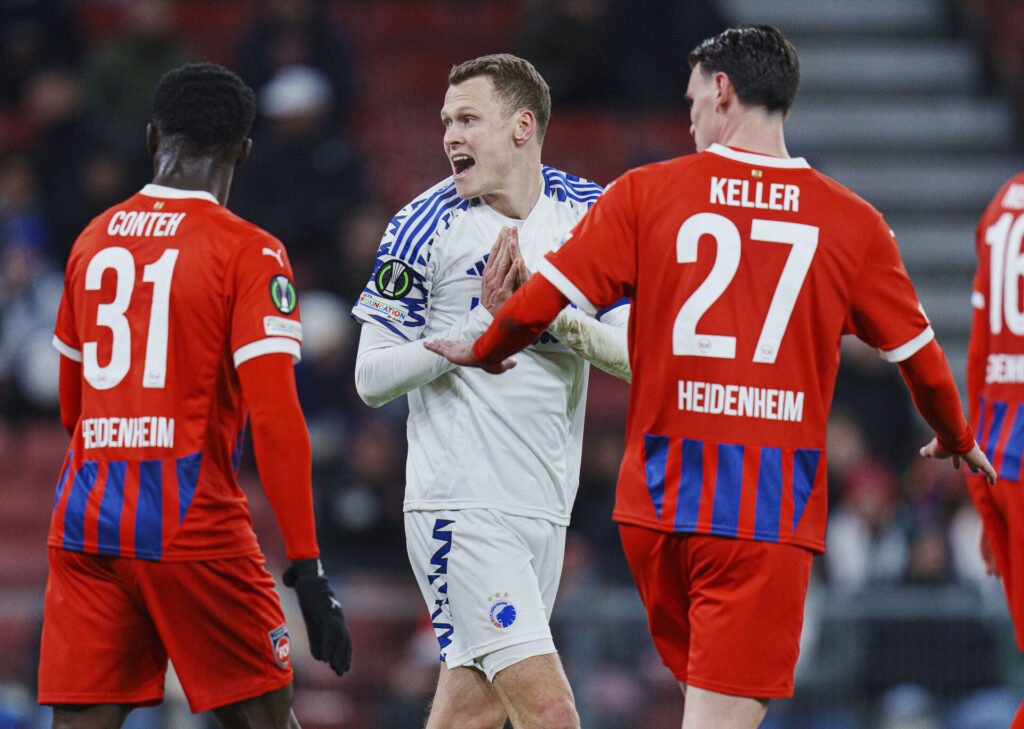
(423, 220)
(565, 187)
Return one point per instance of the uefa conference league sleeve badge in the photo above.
(282, 294)
(393, 279)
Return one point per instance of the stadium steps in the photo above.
(895, 106)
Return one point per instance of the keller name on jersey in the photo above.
(741, 401)
(144, 224)
(144, 432)
(754, 194)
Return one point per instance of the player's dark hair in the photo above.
(516, 81)
(206, 107)
(760, 62)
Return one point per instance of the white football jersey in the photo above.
(510, 442)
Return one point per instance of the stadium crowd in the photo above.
(346, 132)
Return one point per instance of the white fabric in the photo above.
(270, 345)
(489, 580)
(512, 444)
(602, 342)
(67, 350)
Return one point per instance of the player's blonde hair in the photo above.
(516, 82)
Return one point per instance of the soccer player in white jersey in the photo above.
(492, 472)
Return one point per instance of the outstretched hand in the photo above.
(461, 353)
(974, 458)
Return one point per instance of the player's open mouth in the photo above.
(461, 163)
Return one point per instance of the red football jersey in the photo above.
(995, 379)
(164, 295)
(745, 271)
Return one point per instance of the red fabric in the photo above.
(70, 393)
(522, 319)
(725, 614)
(112, 623)
(1001, 508)
(936, 397)
(281, 444)
(709, 247)
(151, 466)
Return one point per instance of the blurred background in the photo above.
(915, 104)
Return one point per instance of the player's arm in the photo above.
(602, 342)
(935, 396)
(388, 366)
(70, 393)
(284, 459)
(518, 323)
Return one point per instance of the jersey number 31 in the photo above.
(112, 316)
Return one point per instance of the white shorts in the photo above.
(489, 580)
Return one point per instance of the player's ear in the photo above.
(724, 90)
(152, 138)
(244, 152)
(525, 127)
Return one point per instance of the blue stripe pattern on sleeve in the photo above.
(562, 186)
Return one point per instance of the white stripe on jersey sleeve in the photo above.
(908, 350)
(977, 300)
(270, 345)
(567, 287)
(69, 352)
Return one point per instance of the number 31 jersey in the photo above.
(164, 295)
(745, 270)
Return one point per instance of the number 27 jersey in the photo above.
(164, 295)
(745, 271)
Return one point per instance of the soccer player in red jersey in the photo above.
(178, 321)
(995, 391)
(745, 267)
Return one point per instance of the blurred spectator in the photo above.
(30, 289)
(867, 386)
(34, 34)
(298, 33)
(121, 75)
(358, 241)
(303, 177)
(867, 540)
(79, 175)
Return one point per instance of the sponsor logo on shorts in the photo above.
(281, 645)
(503, 612)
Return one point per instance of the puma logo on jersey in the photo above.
(274, 254)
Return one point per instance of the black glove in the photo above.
(329, 640)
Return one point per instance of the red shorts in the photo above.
(1002, 513)
(110, 624)
(725, 614)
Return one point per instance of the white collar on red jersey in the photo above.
(174, 193)
(762, 160)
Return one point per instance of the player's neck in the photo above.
(519, 194)
(190, 173)
(758, 134)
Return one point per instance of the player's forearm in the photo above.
(602, 344)
(520, 320)
(388, 366)
(70, 393)
(280, 442)
(936, 398)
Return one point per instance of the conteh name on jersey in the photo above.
(138, 224)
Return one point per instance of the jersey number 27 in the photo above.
(804, 241)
